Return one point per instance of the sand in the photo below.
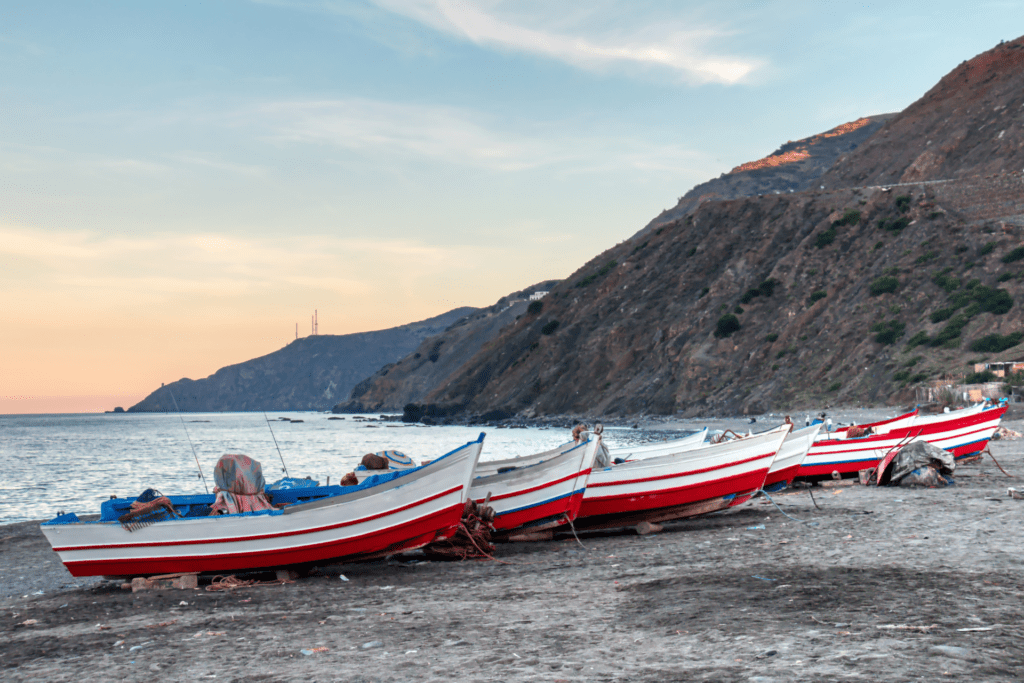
(886, 584)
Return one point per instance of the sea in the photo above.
(72, 463)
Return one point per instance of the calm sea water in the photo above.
(75, 462)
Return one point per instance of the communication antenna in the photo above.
(284, 468)
(201, 475)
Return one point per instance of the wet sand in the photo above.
(872, 584)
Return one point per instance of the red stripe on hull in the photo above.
(786, 474)
(563, 506)
(675, 475)
(406, 536)
(693, 493)
(969, 449)
(840, 467)
(545, 485)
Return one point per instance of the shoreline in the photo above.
(874, 583)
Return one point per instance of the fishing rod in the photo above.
(201, 475)
(284, 468)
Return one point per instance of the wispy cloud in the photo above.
(464, 137)
(554, 32)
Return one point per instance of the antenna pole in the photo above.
(284, 468)
(201, 475)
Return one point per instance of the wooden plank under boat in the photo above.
(399, 512)
(964, 433)
(543, 494)
(683, 484)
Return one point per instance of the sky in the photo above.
(182, 183)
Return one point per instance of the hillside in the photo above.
(411, 378)
(795, 300)
(794, 167)
(311, 373)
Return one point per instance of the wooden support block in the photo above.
(187, 582)
(644, 528)
(534, 536)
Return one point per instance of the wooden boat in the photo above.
(880, 427)
(963, 433)
(790, 457)
(394, 513)
(679, 485)
(485, 468)
(544, 494)
(654, 450)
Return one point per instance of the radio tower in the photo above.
(316, 322)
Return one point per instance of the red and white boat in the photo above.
(679, 485)
(962, 432)
(653, 450)
(880, 427)
(542, 494)
(790, 457)
(385, 515)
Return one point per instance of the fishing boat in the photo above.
(654, 450)
(542, 494)
(789, 458)
(698, 481)
(880, 427)
(485, 468)
(964, 433)
(401, 511)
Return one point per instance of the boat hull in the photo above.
(404, 513)
(789, 458)
(539, 496)
(680, 485)
(963, 434)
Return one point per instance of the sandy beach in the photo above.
(857, 583)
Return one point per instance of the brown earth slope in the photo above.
(970, 123)
(794, 167)
(411, 378)
(875, 287)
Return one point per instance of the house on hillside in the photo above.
(1000, 368)
(536, 296)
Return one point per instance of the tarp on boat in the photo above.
(920, 464)
(239, 486)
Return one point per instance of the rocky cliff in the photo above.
(411, 378)
(311, 373)
(794, 167)
(793, 300)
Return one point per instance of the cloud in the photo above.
(578, 41)
(465, 137)
(154, 267)
(432, 131)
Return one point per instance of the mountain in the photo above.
(311, 373)
(852, 293)
(794, 167)
(408, 380)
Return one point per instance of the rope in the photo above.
(573, 527)
(802, 521)
(997, 463)
(231, 582)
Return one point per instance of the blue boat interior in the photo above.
(287, 491)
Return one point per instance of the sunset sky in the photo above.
(183, 182)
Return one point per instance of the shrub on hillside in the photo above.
(886, 284)
(942, 314)
(992, 300)
(816, 296)
(771, 337)
(950, 334)
(726, 325)
(894, 225)
(1014, 255)
(826, 238)
(850, 217)
(535, 308)
(986, 249)
(946, 281)
(919, 339)
(549, 327)
(834, 386)
(604, 270)
(994, 343)
(903, 203)
(980, 377)
(888, 332)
